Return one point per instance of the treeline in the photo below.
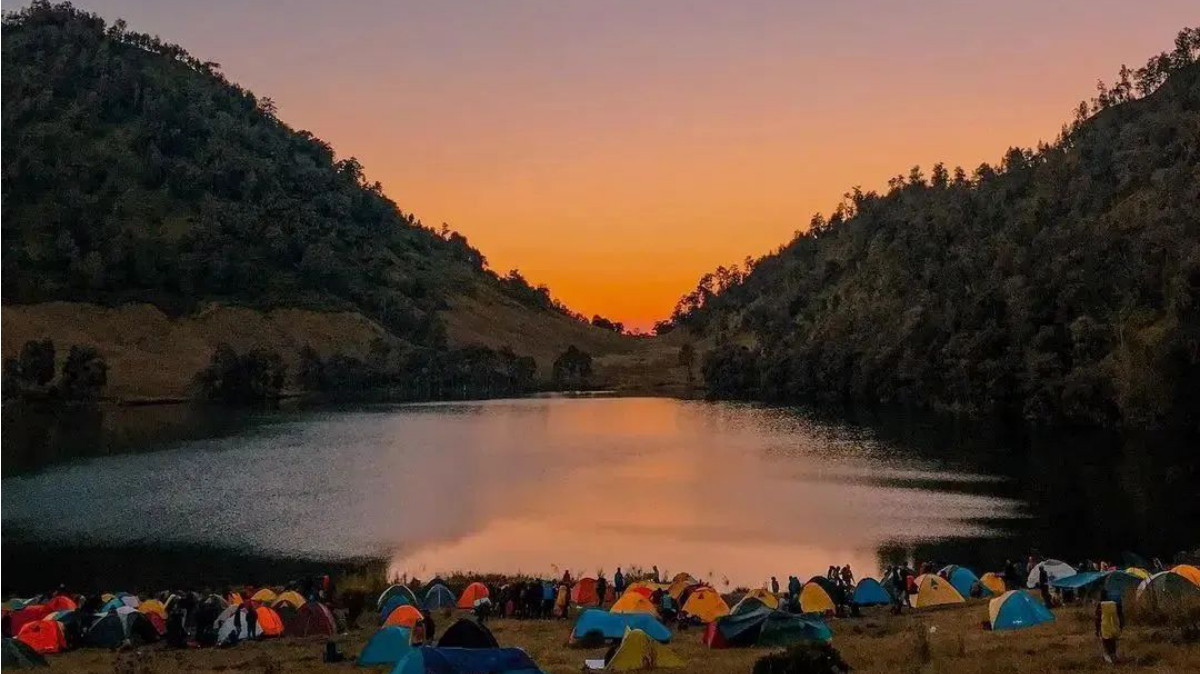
(1062, 285)
(261, 375)
(31, 374)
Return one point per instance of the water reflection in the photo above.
(721, 490)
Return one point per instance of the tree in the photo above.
(573, 368)
(687, 356)
(35, 364)
(84, 374)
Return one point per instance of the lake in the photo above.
(733, 493)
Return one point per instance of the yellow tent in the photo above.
(633, 602)
(764, 596)
(153, 606)
(706, 604)
(291, 597)
(639, 651)
(234, 598)
(1188, 571)
(683, 575)
(994, 583)
(648, 584)
(1139, 572)
(107, 597)
(814, 599)
(264, 595)
(933, 590)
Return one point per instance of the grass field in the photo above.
(933, 641)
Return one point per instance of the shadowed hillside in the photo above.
(1061, 286)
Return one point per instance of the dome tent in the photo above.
(1017, 609)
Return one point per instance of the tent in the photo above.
(18, 655)
(815, 598)
(153, 606)
(994, 583)
(602, 624)
(233, 598)
(1054, 570)
(964, 580)
(933, 590)
(61, 602)
(290, 597)
(869, 592)
(473, 593)
(648, 586)
(311, 619)
(684, 576)
(118, 625)
(466, 661)
(1188, 571)
(764, 627)
(439, 597)
(1138, 571)
(584, 592)
(639, 651)
(394, 591)
(44, 636)
(679, 586)
(264, 596)
(1017, 609)
(747, 604)
(406, 616)
(466, 633)
(1079, 580)
(16, 604)
(394, 603)
(640, 589)
(18, 619)
(632, 602)
(705, 604)
(1119, 583)
(386, 647)
(764, 596)
(233, 625)
(1167, 586)
(269, 622)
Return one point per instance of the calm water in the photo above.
(726, 491)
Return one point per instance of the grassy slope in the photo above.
(877, 643)
(152, 355)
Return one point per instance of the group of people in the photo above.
(545, 599)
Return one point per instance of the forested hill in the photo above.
(1062, 285)
(134, 174)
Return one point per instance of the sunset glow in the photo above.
(617, 150)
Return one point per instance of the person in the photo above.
(656, 578)
(793, 589)
(667, 606)
(1110, 620)
(601, 588)
(176, 635)
(1012, 577)
(483, 609)
(566, 579)
(430, 626)
(548, 594)
(774, 586)
(251, 620)
(847, 576)
(1044, 585)
(562, 601)
(619, 582)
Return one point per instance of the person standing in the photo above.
(847, 576)
(619, 582)
(774, 586)
(1110, 620)
(601, 588)
(1044, 585)
(656, 578)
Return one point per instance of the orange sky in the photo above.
(617, 149)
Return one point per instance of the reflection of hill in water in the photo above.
(520, 485)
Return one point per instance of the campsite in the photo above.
(1009, 632)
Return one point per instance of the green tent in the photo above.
(18, 655)
(764, 627)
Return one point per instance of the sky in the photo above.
(618, 149)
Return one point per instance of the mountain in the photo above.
(1061, 287)
(154, 210)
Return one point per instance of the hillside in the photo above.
(154, 210)
(1061, 287)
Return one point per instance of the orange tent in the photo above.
(474, 592)
(1188, 571)
(269, 621)
(634, 602)
(642, 590)
(44, 636)
(410, 617)
(62, 602)
(584, 592)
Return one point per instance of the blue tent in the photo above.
(386, 647)
(439, 596)
(869, 592)
(613, 625)
(466, 661)
(395, 591)
(395, 603)
(1078, 580)
(1017, 609)
(963, 579)
(1118, 583)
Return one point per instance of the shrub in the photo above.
(805, 658)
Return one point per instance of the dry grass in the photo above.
(950, 641)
